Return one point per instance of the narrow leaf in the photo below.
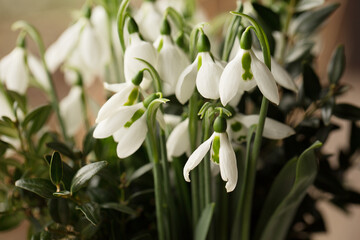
(59, 210)
(85, 174)
(118, 207)
(139, 172)
(202, 227)
(56, 169)
(347, 111)
(336, 66)
(311, 83)
(304, 5)
(91, 212)
(8, 129)
(36, 119)
(269, 16)
(286, 194)
(42, 187)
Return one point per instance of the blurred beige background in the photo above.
(52, 17)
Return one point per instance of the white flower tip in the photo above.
(230, 187)
(186, 175)
(224, 101)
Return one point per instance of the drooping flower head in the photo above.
(171, 60)
(204, 73)
(245, 72)
(221, 153)
(137, 49)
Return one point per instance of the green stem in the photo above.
(84, 102)
(52, 93)
(193, 123)
(207, 172)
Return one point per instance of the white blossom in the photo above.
(149, 20)
(178, 141)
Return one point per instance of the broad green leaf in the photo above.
(42, 187)
(202, 226)
(59, 210)
(286, 194)
(269, 16)
(118, 207)
(347, 111)
(304, 5)
(56, 169)
(11, 220)
(84, 174)
(36, 119)
(309, 21)
(91, 212)
(8, 129)
(336, 66)
(311, 83)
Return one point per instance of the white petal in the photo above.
(130, 139)
(38, 71)
(90, 47)
(230, 80)
(172, 120)
(186, 84)
(138, 49)
(110, 125)
(149, 20)
(235, 101)
(17, 78)
(115, 102)
(59, 50)
(178, 141)
(227, 159)
(5, 109)
(280, 74)
(196, 157)
(208, 77)
(272, 128)
(71, 111)
(264, 79)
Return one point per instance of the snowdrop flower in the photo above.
(246, 71)
(204, 72)
(87, 39)
(14, 73)
(127, 125)
(13, 70)
(240, 123)
(126, 95)
(222, 153)
(178, 141)
(71, 110)
(137, 48)
(149, 18)
(171, 59)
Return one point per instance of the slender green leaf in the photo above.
(304, 5)
(42, 187)
(91, 212)
(327, 110)
(56, 169)
(336, 66)
(202, 227)
(8, 129)
(89, 142)
(85, 174)
(309, 21)
(286, 194)
(118, 207)
(347, 111)
(271, 18)
(19, 99)
(139, 172)
(62, 148)
(36, 119)
(11, 220)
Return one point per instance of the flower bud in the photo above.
(246, 40)
(138, 78)
(132, 26)
(220, 124)
(203, 43)
(165, 28)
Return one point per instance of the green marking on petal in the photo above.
(135, 117)
(199, 63)
(132, 97)
(215, 149)
(241, 138)
(161, 43)
(236, 126)
(246, 63)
